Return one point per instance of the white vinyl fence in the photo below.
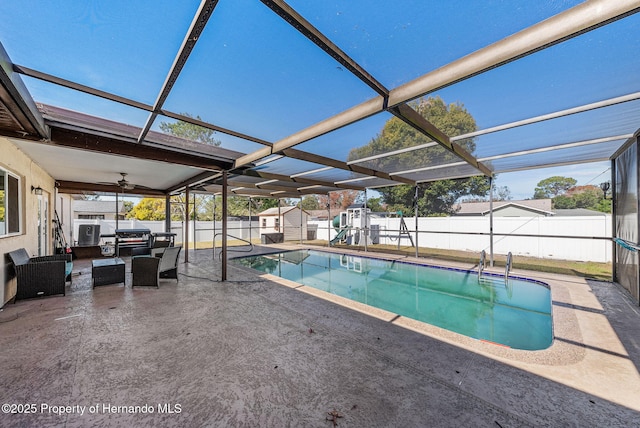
(472, 234)
(452, 233)
(199, 231)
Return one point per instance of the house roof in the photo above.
(99, 207)
(542, 206)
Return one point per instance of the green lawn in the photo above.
(599, 271)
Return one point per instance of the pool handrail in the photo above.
(232, 249)
(481, 263)
(507, 267)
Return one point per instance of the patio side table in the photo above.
(107, 271)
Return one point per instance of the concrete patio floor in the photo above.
(259, 351)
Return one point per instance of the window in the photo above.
(92, 217)
(264, 222)
(9, 203)
(276, 225)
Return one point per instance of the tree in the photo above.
(127, 206)
(563, 202)
(338, 200)
(502, 193)
(436, 197)
(190, 131)
(590, 197)
(309, 202)
(376, 205)
(148, 209)
(236, 206)
(553, 186)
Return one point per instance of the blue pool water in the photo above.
(516, 314)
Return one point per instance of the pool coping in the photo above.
(583, 340)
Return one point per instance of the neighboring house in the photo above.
(526, 208)
(98, 210)
(289, 222)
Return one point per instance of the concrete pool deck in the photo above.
(252, 352)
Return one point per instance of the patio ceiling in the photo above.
(291, 89)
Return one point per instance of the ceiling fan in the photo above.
(124, 184)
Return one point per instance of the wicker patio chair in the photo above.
(40, 276)
(149, 270)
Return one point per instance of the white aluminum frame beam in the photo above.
(563, 26)
(554, 115)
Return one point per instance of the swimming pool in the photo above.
(516, 314)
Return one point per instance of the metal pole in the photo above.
(301, 220)
(250, 219)
(214, 227)
(167, 213)
(491, 221)
(329, 219)
(366, 219)
(224, 226)
(195, 234)
(614, 197)
(280, 222)
(116, 210)
(186, 225)
(415, 203)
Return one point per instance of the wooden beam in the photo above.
(64, 186)
(102, 144)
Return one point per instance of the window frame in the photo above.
(8, 198)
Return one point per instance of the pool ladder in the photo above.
(507, 267)
(483, 262)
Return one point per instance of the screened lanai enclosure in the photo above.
(286, 99)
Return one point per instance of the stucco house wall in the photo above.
(30, 174)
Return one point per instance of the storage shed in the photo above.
(289, 222)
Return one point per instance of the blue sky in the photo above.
(253, 73)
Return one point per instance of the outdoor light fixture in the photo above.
(605, 188)
(36, 190)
